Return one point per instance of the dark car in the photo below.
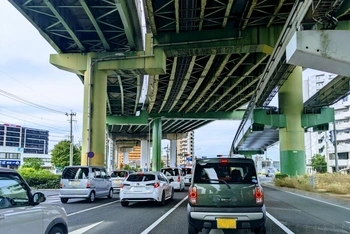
(225, 193)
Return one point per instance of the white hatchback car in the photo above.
(24, 212)
(144, 187)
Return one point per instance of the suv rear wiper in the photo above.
(220, 181)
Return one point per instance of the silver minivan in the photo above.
(85, 182)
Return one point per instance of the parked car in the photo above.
(86, 182)
(270, 172)
(22, 211)
(225, 193)
(145, 187)
(117, 177)
(175, 176)
(187, 173)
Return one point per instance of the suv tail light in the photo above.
(61, 185)
(121, 186)
(88, 185)
(192, 195)
(178, 178)
(156, 185)
(259, 195)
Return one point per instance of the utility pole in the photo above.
(71, 138)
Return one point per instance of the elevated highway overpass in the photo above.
(200, 60)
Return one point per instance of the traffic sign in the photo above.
(90, 154)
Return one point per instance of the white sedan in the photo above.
(144, 187)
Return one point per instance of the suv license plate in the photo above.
(223, 223)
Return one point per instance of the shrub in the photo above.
(280, 176)
(40, 179)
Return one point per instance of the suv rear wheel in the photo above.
(64, 200)
(192, 229)
(91, 197)
(260, 230)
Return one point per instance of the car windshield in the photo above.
(141, 177)
(75, 173)
(230, 173)
(119, 174)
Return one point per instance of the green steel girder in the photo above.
(260, 116)
(233, 115)
(66, 22)
(95, 24)
(311, 120)
(131, 25)
(143, 118)
(219, 41)
(249, 152)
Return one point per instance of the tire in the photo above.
(124, 203)
(260, 230)
(64, 200)
(91, 198)
(192, 229)
(172, 194)
(162, 202)
(110, 194)
(56, 230)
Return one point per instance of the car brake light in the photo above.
(61, 185)
(224, 161)
(259, 195)
(156, 185)
(178, 178)
(121, 186)
(192, 195)
(88, 185)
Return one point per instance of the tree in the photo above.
(35, 163)
(61, 153)
(318, 163)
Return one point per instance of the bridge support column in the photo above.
(94, 117)
(111, 164)
(173, 157)
(145, 150)
(292, 145)
(156, 144)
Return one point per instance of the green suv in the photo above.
(225, 193)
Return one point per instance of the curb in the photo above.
(327, 197)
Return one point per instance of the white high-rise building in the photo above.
(320, 142)
(185, 148)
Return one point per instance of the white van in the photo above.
(86, 182)
(175, 176)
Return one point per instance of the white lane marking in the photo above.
(347, 222)
(278, 223)
(84, 229)
(147, 230)
(92, 208)
(328, 203)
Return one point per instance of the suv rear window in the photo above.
(119, 174)
(75, 173)
(230, 173)
(187, 171)
(141, 177)
(170, 172)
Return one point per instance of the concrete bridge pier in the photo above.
(145, 153)
(173, 153)
(292, 145)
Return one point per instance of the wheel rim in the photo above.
(111, 193)
(92, 197)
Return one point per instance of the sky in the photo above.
(27, 75)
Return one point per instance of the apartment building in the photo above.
(322, 142)
(18, 143)
(185, 150)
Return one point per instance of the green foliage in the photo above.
(61, 153)
(35, 163)
(281, 176)
(40, 179)
(129, 168)
(318, 163)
